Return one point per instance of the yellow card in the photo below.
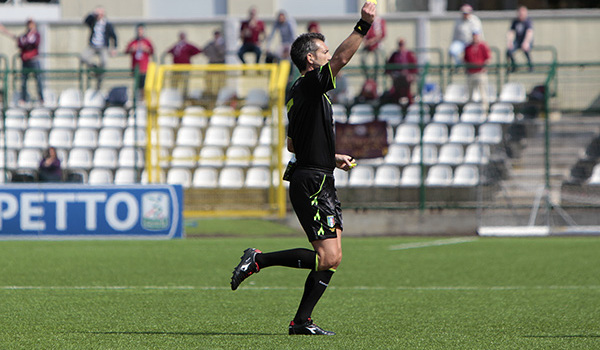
(373, 1)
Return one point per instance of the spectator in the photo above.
(371, 46)
(140, 49)
(252, 33)
(402, 77)
(102, 33)
(520, 36)
(28, 44)
(49, 169)
(477, 55)
(286, 26)
(215, 50)
(463, 31)
(313, 27)
(183, 51)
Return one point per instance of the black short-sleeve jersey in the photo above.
(311, 125)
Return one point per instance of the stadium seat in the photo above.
(397, 155)
(134, 136)
(251, 116)
(105, 158)
(217, 136)
(258, 177)
(390, 113)
(183, 157)
(408, 134)
(466, 175)
(257, 97)
(80, 158)
(40, 118)
(456, 93)
(451, 154)
(11, 159)
(238, 156)
(226, 95)
(70, 98)
(125, 176)
(29, 159)
(266, 135)
(439, 175)
(413, 114)
(194, 116)
(462, 133)
(492, 94)
(473, 113)
(35, 138)
(446, 113)
(100, 176)
(340, 114)
(61, 138)
(387, 176)
(490, 134)
(158, 176)
(14, 138)
(189, 136)
(94, 98)
(88, 118)
(477, 154)
(167, 117)
(110, 137)
(130, 157)
(261, 156)
(361, 176)
(361, 113)
(222, 116)
(411, 176)
(431, 93)
(85, 137)
(501, 113)
(435, 133)
(170, 98)
(244, 136)
(115, 117)
(179, 176)
(15, 118)
(231, 177)
(137, 117)
(164, 138)
(211, 156)
(50, 99)
(513, 93)
(340, 176)
(205, 177)
(430, 155)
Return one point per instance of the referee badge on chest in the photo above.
(331, 222)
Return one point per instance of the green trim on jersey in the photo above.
(290, 104)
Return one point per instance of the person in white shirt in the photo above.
(463, 33)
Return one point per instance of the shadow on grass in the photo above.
(178, 333)
(557, 336)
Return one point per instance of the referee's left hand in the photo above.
(344, 162)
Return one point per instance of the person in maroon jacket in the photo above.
(252, 33)
(477, 55)
(140, 49)
(183, 51)
(402, 76)
(29, 44)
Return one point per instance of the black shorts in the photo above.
(315, 202)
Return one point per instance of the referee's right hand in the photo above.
(367, 13)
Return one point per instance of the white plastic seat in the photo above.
(501, 113)
(439, 175)
(61, 138)
(137, 117)
(40, 112)
(194, 116)
(502, 107)
(490, 134)
(15, 118)
(257, 97)
(446, 113)
(14, 138)
(397, 155)
(29, 159)
(184, 157)
(244, 136)
(211, 156)
(513, 93)
(115, 117)
(258, 177)
(222, 116)
(266, 135)
(237, 156)
(170, 98)
(88, 118)
(451, 154)
(167, 117)
(179, 176)
(248, 119)
(413, 114)
(94, 98)
(164, 138)
(40, 120)
(100, 176)
(50, 98)
(462, 133)
(456, 93)
(491, 94)
(390, 113)
(261, 156)
(205, 177)
(477, 154)
(430, 155)
(11, 159)
(80, 158)
(411, 176)
(340, 114)
(251, 110)
(473, 113)
(70, 98)
(105, 158)
(134, 137)
(125, 176)
(131, 157)
(361, 113)
(217, 136)
(408, 134)
(435, 133)
(85, 137)
(35, 138)
(340, 176)
(231, 177)
(361, 176)
(225, 95)
(387, 176)
(189, 136)
(158, 176)
(466, 175)
(431, 93)
(110, 137)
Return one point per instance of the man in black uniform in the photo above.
(312, 189)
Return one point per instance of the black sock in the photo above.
(300, 258)
(315, 286)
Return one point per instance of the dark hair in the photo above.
(302, 46)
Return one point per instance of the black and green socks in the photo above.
(300, 258)
(316, 283)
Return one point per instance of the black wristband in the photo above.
(362, 27)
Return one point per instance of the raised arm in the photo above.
(348, 47)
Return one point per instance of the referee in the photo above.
(312, 189)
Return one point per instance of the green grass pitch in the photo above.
(389, 293)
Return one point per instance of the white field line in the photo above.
(252, 288)
(436, 243)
